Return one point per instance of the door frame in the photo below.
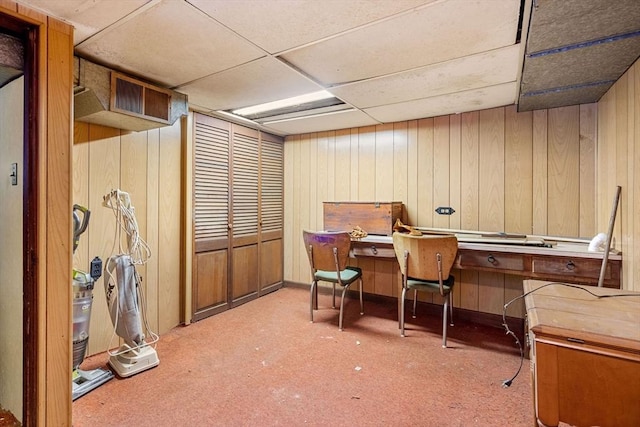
(28, 34)
(47, 175)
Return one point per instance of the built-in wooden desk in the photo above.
(567, 262)
(585, 354)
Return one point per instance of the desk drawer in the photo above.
(372, 250)
(490, 260)
(583, 268)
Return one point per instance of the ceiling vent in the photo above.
(106, 97)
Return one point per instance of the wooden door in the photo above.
(211, 216)
(271, 212)
(244, 214)
(238, 215)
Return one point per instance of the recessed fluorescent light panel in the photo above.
(235, 117)
(310, 104)
(349, 109)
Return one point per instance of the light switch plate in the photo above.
(14, 174)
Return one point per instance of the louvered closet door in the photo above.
(211, 216)
(244, 217)
(271, 212)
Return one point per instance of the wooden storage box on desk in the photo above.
(373, 217)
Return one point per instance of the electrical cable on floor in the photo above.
(507, 383)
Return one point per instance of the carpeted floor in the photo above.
(8, 419)
(265, 364)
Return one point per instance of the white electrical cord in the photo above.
(120, 203)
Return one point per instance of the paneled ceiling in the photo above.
(388, 60)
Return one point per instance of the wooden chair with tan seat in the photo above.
(425, 264)
(328, 255)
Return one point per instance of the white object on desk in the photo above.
(598, 243)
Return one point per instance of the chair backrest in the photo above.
(422, 262)
(319, 246)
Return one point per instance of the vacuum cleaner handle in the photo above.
(79, 228)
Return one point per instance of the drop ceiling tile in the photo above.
(88, 17)
(259, 81)
(278, 25)
(435, 33)
(563, 98)
(470, 72)
(11, 52)
(581, 21)
(342, 120)
(472, 100)
(170, 43)
(591, 64)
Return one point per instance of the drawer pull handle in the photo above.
(491, 259)
(374, 250)
(571, 266)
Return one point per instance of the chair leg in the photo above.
(404, 293)
(344, 291)
(450, 312)
(313, 300)
(444, 321)
(415, 300)
(334, 296)
(361, 304)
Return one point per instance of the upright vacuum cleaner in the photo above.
(124, 292)
(83, 283)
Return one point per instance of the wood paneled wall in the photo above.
(618, 160)
(147, 166)
(49, 401)
(529, 172)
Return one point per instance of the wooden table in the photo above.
(585, 355)
(566, 262)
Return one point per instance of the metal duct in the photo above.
(110, 98)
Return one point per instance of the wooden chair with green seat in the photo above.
(328, 255)
(425, 264)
